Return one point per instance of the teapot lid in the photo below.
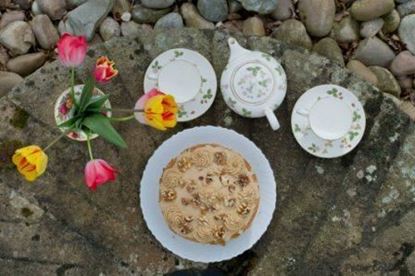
(252, 80)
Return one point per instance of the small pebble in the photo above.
(253, 26)
(371, 28)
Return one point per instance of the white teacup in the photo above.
(181, 79)
(329, 118)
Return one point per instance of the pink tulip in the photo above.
(72, 50)
(143, 100)
(140, 104)
(98, 172)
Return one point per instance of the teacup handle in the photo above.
(272, 119)
(305, 111)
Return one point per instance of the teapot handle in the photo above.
(272, 119)
(236, 50)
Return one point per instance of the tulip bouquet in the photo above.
(88, 113)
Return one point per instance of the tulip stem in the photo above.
(56, 140)
(123, 110)
(73, 85)
(88, 142)
(122, 119)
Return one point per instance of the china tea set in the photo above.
(327, 121)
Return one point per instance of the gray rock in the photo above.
(85, 19)
(26, 64)
(317, 15)
(130, 29)
(169, 21)
(253, 26)
(126, 16)
(293, 32)
(109, 28)
(213, 10)
(362, 71)
(55, 9)
(35, 8)
(4, 57)
(233, 26)
(157, 4)
(403, 64)
(284, 10)
(408, 108)
(386, 81)
(373, 51)
(405, 82)
(328, 47)
(17, 37)
(23, 4)
(260, 6)
(406, 8)
(141, 14)
(371, 28)
(407, 32)
(45, 32)
(378, 166)
(11, 16)
(4, 4)
(392, 21)
(61, 27)
(234, 6)
(346, 31)
(193, 18)
(120, 7)
(71, 4)
(8, 80)
(365, 10)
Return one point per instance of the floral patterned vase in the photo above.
(64, 110)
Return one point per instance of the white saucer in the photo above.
(328, 121)
(188, 76)
(149, 194)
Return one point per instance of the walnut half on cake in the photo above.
(209, 194)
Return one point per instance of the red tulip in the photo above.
(104, 70)
(98, 172)
(72, 50)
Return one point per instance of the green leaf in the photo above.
(86, 94)
(101, 125)
(95, 103)
(70, 122)
(78, 123)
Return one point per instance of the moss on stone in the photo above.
(91, 53)
(7, 149)
(26, 212)
(19, 119)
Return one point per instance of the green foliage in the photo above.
(86, 95)
(101, 125)
(88, 116)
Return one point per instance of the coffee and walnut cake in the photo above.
(209, 194)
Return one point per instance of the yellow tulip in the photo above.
(160, 112)
(31, 162)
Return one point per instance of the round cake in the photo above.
(209, 194)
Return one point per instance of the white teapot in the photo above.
(253, 83)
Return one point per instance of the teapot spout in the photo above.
(236, 50)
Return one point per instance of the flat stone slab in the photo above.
(351, 215)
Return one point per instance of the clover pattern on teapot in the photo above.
(253, 82)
